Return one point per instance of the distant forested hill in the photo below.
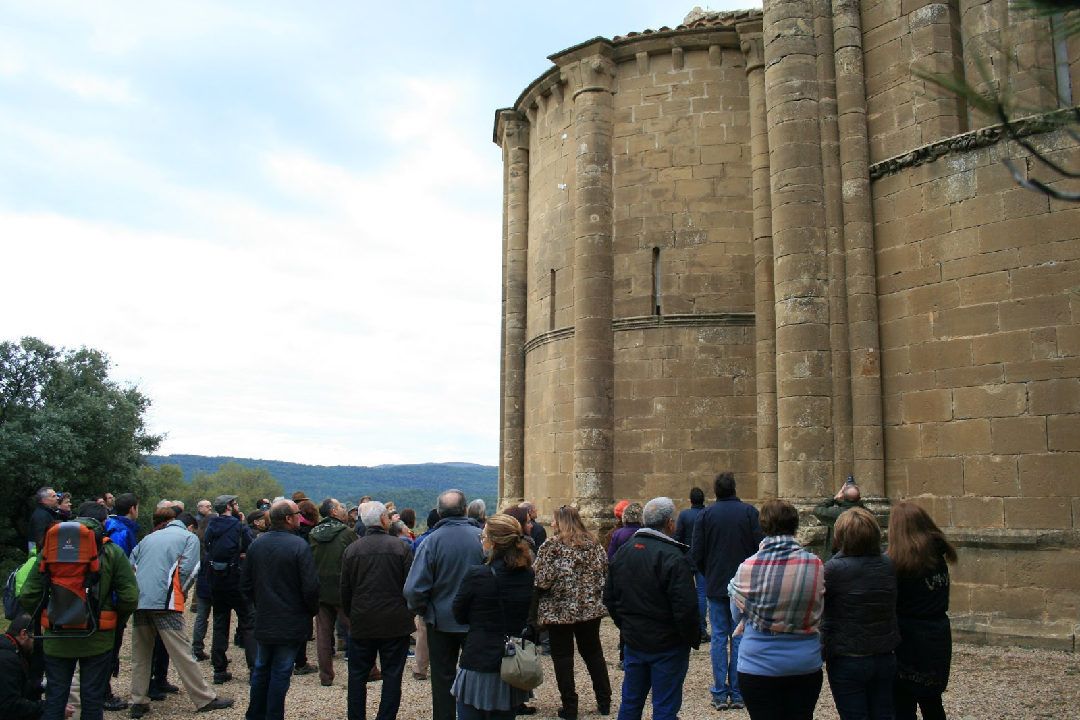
(415, 486)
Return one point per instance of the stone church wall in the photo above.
(979, 297)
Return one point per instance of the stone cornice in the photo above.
(983, 137)
(644, 322)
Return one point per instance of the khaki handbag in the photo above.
(521, 667)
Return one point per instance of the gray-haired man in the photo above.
(373, 572)
(650, 596)
(433, 583)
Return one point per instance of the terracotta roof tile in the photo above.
(698, 19)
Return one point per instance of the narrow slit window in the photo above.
(551, 295)
(1059, 35)
(656, 281)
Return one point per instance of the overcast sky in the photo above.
(281, 220)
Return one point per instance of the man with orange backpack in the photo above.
(79, 625)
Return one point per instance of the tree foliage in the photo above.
(66, 424)
(248, 484)
(998, 102)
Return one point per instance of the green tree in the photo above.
(65, 423)
(248, 484)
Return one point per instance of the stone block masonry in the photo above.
(758, 242)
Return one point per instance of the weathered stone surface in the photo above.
(765, 246)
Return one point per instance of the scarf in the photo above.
(780, 588)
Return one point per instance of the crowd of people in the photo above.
(357, 579)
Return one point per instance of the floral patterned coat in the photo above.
(572, 580)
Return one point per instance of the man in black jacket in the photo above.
(726, 533)
(684, 533)
(279, 576)
(45, 515)
(373, 573)
(226, 541)
(18, 701)
(650, 596)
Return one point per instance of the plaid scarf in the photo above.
(780, 588)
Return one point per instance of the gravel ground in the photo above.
(986, 683)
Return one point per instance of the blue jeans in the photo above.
(725, 674)
(862, 687)
(663, 673)
(270, 680)
(702, 605)
(94, 674)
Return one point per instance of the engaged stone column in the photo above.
(764, 298)
(863, 337)
(513, 136)
(590, 74)
(803, 367)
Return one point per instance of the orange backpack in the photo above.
(70, 567)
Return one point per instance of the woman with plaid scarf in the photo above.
(777, 596)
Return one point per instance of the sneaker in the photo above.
(304, 670)
(218, 703)
(719, 704)
(137, 711)
(736, 703)
(220, 678)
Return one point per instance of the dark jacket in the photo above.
(650, 593)
(279, 577)
(726, 533)
(860, 606)
(619, 537)
(226, 540)
(373, 572)
(684, 524)
(123, 531)
(437, 572)
(538, 534)
(328, 541)
(41, 520)
(15, 693)
(477, 605)
(924, 656)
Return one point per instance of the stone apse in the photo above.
(758, 242)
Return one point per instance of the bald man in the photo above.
(847, 497)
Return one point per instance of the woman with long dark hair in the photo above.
(494, 602)
(571, 569)
(921, 555)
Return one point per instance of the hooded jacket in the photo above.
(166, 562)
(123, 531)
(438, 569)
(328, 542)
(225, 541)
(650, 593)
(116, 591)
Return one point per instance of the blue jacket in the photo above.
(684, 524)
(727, 532)
(438, 569)
(123, 531)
